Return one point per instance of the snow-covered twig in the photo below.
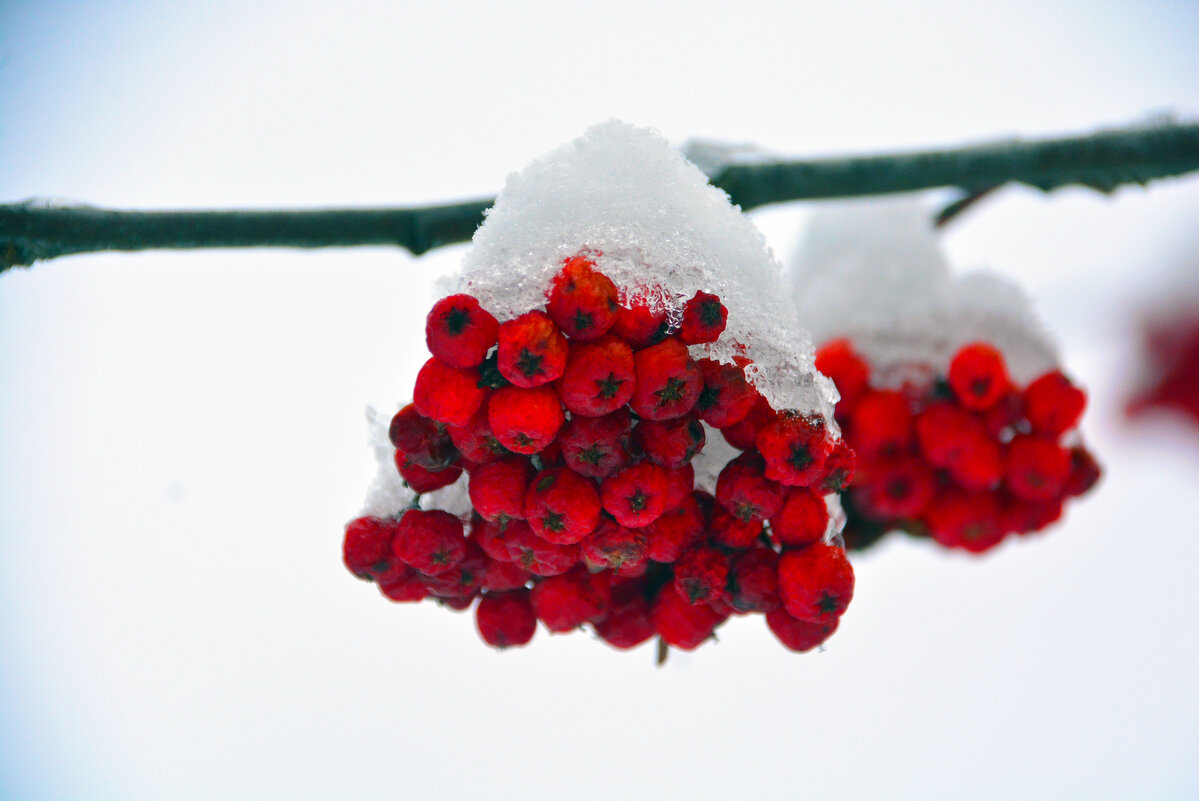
(1103, 160)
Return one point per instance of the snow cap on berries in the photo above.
(651, 222)
(874, 272)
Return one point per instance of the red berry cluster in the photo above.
(966, 459)
(576, 425)
(1170, 351)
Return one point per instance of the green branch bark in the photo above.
(1104, 161)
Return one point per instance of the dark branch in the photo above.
(1102, 161)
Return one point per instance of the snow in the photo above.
(388, 495)
(661, 232)
(873, 271)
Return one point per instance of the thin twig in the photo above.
(952, 210)
(1103, 161)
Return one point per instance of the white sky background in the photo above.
(182, 435)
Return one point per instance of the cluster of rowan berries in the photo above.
(577, 426)
(966, 458)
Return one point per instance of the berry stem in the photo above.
(1103, 160)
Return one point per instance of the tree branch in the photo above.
(1102, 161)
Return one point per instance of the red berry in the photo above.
(670, 443)
(682, 624)
(504, 575)
(459, 332)
(1037, 468)
(532, 351)
(639, 326)
(978, 463)
(506, 619)
(431, 541)
(366, 549)
(801, 520)
(1084, 471)
(497, 490)
(668, 381)
(701, 573)
(726, 397)
(476, 441)
(464, 579)
(628, 622)
(733, 532)
(978, 376)
(525, 420)
(447, 394)
(675, 531)
(704, 319)
(567, 601)
(898, 489)
(490, 537)
(403, 585)
(458, 604)
(536, 555)
(744, 491)
(799, 635)
(961, 519)
(795, 449)
(422, 480)
(596, 447)
(753, 581)
(815, 583)
(582, 300)
(1053, 405)
(838, 469)
(425, 441)
(612, 545)
(849, 371)
(881, 424)
(1024, 517)
(679, 484)
(743, 434)
(635, 495)
(561, 506)
(946, 434)
(599, 377)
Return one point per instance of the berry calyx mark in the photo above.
(828, 604)
(592, 455)
(608, 387)
(522, 440)
(552, 521)
(708, 396)
(711, 312)
(800, 457)
(529, 363)
(457, 319)
(638, 500)
(672, 392)
(583, 321)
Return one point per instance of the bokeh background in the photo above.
(182, 435)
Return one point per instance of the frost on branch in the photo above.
(873, 271)
(655, 226)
